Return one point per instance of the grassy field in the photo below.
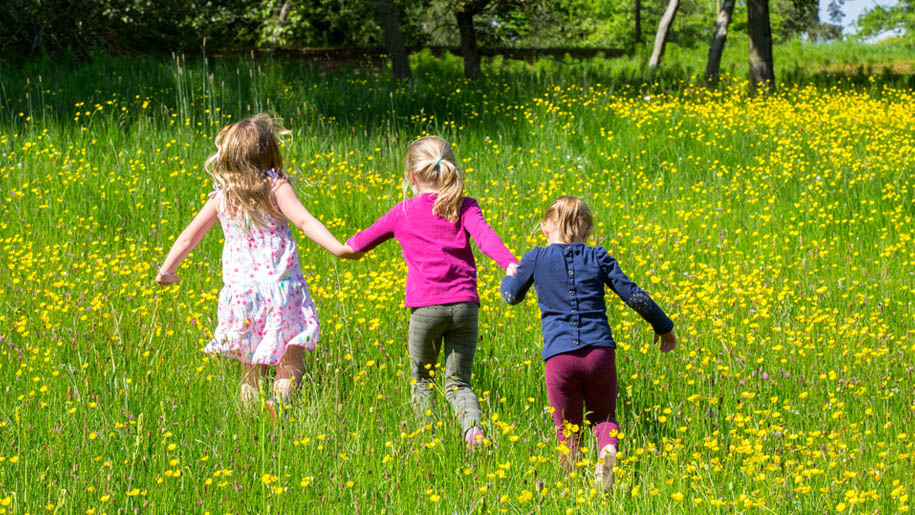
(777, 233)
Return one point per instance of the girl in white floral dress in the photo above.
(266, 316)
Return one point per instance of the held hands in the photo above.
(668, 341)
(512, 268)
(347, 252)
(166, 278)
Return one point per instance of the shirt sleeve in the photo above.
(483, 235)
(379, 232)
(515, 287)
(632, 295)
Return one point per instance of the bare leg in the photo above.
(289, 373)
(250, 384)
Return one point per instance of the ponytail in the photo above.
(450, 191)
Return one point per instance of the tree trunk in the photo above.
(469, 45)
(400, 63)
(717, 48)
(761, 68)
(637, 29)
(661, 38)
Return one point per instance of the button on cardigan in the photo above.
(570, 279)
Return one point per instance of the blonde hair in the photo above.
(432, 161)
(572, 216)
(248, 150)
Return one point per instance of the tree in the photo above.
(663, 30)
(515, 23)
(116, 26)
(761, 67)
(804, 16)
(400, 63)
(464, 14)
(834, 11)
(637, 25)
(713, 67)
(899, 18)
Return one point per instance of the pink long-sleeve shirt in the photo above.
(440, 264)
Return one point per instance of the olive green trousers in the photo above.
(455, 327)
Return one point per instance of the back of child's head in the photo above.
(431, 160)
(572, 217)
(245, 165)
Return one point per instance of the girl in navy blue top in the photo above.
(578, 346)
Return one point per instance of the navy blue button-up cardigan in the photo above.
(570, 279)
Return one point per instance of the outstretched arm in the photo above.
(633, 296)
(293, 210)
(485, 238)
(379, 232)
(190, 237)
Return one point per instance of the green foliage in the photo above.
(609, 23)
(791, 18)
(118, 26)
(879, 19)
(605, 23)
(309, 23)
(83, 28)
(497, 23)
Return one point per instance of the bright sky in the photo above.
(852, 9)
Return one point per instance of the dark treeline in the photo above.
(84, 27)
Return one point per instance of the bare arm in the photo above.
(187, 241)
(293, 210)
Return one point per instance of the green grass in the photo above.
(777, 233)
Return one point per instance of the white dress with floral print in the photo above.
(264, 305)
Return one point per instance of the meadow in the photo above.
(776, 231)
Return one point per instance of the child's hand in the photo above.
(668, 341)
(166, 278)
(512, 268)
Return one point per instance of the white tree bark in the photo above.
(661, 38)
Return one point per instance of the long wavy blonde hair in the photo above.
(248, 153)
(572, 216)
(432, 161)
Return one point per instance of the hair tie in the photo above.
(438, 161)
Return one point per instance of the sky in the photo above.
(852, 9)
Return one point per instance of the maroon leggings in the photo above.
(587, 374)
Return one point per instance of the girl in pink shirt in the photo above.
(434, 228)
